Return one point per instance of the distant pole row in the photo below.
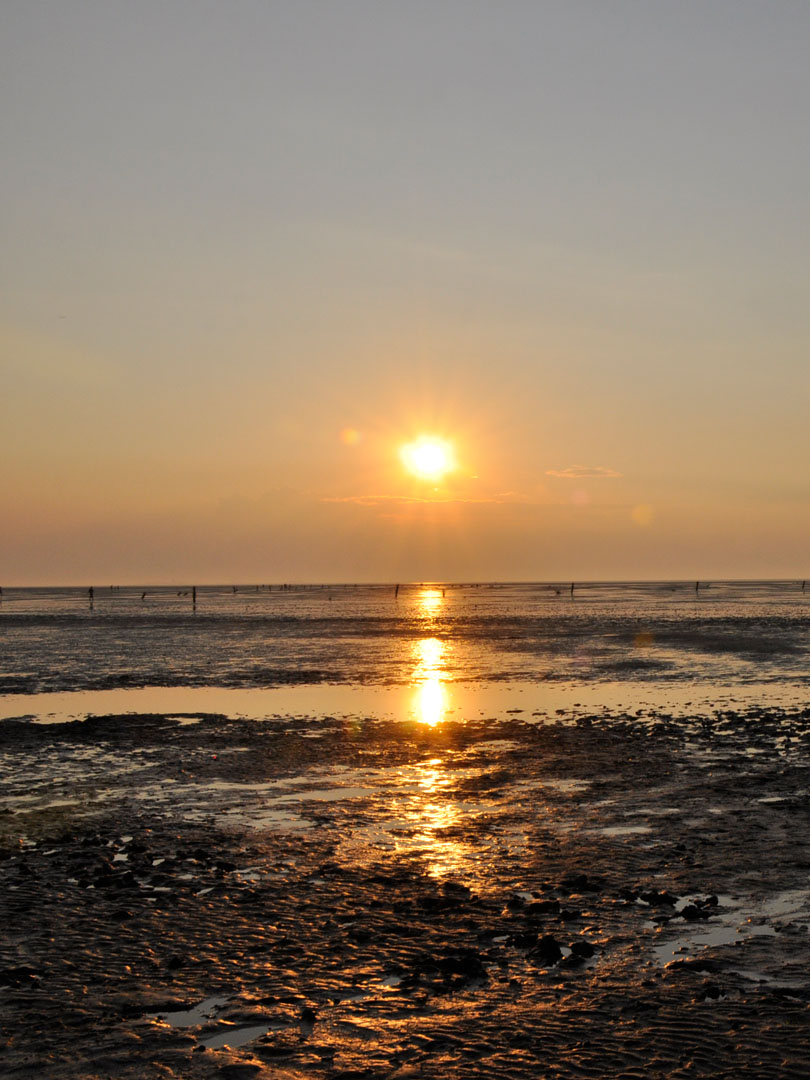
(91, 593)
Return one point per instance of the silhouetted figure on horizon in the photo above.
(396, 593)
(194, 596)
(91, 595)
(572, 588)
(143, 596)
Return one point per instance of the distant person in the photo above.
(396, 593)
(143, 596)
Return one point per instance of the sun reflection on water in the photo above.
(430, 601)
(431, 699)
(433, 813)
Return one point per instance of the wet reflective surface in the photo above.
(429, 698)
(511, 839)
(260, 637)
(320, 894)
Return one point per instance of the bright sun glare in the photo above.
(428, 458)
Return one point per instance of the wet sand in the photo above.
(203, 897)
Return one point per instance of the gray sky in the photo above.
(570, 237)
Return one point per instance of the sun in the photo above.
(428, 458)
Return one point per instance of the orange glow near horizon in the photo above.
(428, 458)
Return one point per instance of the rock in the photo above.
(543, 907)
(240, 1071)
(465, 963)
(570, 915)
(579, 883)
(582, 948)
(525, 940)
(18, 977)
(456, 889)
(547, 951)
(710, 991)
(692, 913)
(658, 899)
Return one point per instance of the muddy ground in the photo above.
(203, 897)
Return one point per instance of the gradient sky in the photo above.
(249, 248)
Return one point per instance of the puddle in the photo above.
(238, 1036)
(541, 702)
(726, 928)
(622, 830)
(206, 1010)
(326, 795)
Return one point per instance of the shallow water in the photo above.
(432, 635)
(431, 701)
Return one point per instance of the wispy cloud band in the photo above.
(584, 472)
(375, 500)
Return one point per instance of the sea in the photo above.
(430, 652)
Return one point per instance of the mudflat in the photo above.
(197, 896)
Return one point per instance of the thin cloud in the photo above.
(376, 500)
(584, 472)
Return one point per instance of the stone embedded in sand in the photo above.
(543, 907)
(582, 948)
(658, 899)
(580, 883)
(547, 951)
(465, 964)
(18, 977)
(525, 940)
(246, 1070)
(456, 888)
